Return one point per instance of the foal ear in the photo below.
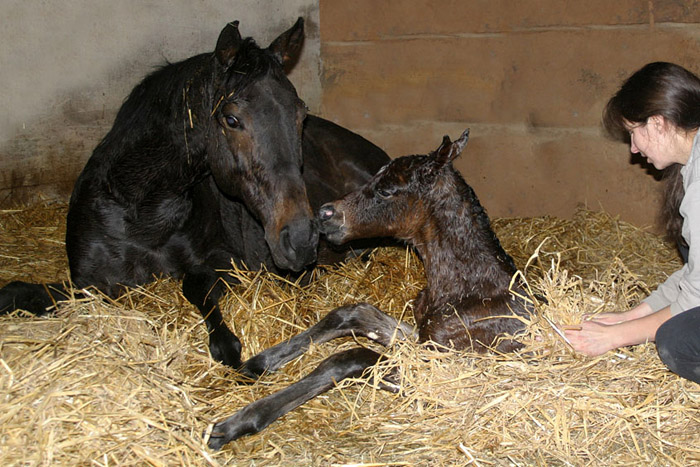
(449, 150)
(287, 46)
(228, 44)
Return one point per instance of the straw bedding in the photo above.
(130, 382)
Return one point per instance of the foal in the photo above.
(468, 302)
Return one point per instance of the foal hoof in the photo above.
(251, 369)
(248, 375)
(229, 430)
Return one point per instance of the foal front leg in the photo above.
(259, 414)
(361, 319)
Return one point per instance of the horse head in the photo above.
(255, 150)
(396, 202)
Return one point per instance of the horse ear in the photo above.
(449, 150)
(442, 153)
(228, 44)
(287, 46)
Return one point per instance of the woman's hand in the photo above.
(593, 338)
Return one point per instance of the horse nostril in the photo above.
(326, 212)
(298, 241)
(285, 239)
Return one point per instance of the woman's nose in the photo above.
(633, 148)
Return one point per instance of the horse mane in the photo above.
(466, 192)
(249, 64)
(464, 195)
(172, 106)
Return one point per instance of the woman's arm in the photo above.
(596, 338)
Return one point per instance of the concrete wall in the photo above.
(529, 77)
(66, 66)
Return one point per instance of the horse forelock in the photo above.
(250, 64)
(185, 90)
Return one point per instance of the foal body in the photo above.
(467, 302)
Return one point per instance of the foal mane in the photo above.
(465, 195)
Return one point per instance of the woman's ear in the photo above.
(659, 123)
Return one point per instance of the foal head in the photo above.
(255, 148)
(399, 201)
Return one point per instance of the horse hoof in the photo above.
(229, 430)
(24, 296)
(228, 359)
(215, 441)
(254, 367)
(226, 350)
(248, 375)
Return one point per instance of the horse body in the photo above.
(467, 303)
(208, 161)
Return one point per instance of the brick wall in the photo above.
(530, 78)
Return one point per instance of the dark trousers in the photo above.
(678, 343)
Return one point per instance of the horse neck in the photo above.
(461, 254)
(152, 132)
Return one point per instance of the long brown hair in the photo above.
(665, 89)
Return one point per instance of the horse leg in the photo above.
(259, 414)
(34, 298)
(203, 288)
(361, 319)
(478, 325)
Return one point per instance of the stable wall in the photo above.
(529, 78)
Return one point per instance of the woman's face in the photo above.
(656, 141)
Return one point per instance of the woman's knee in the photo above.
(678, 344)
(667, 344)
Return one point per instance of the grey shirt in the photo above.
(682, 289)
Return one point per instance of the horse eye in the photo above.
(383, 193)
(232, 122)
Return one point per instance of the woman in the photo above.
(658, 111)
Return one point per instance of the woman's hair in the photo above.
(672, 92)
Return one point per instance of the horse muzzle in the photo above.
(297, 244)
(332, 223)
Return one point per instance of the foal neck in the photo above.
(461, 254)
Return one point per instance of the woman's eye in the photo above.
(232, 122)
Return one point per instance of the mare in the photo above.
(210, 160)
(470, 301)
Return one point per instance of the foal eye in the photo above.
(383, 193)
(232, 122)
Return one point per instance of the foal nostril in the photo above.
(326, 212)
